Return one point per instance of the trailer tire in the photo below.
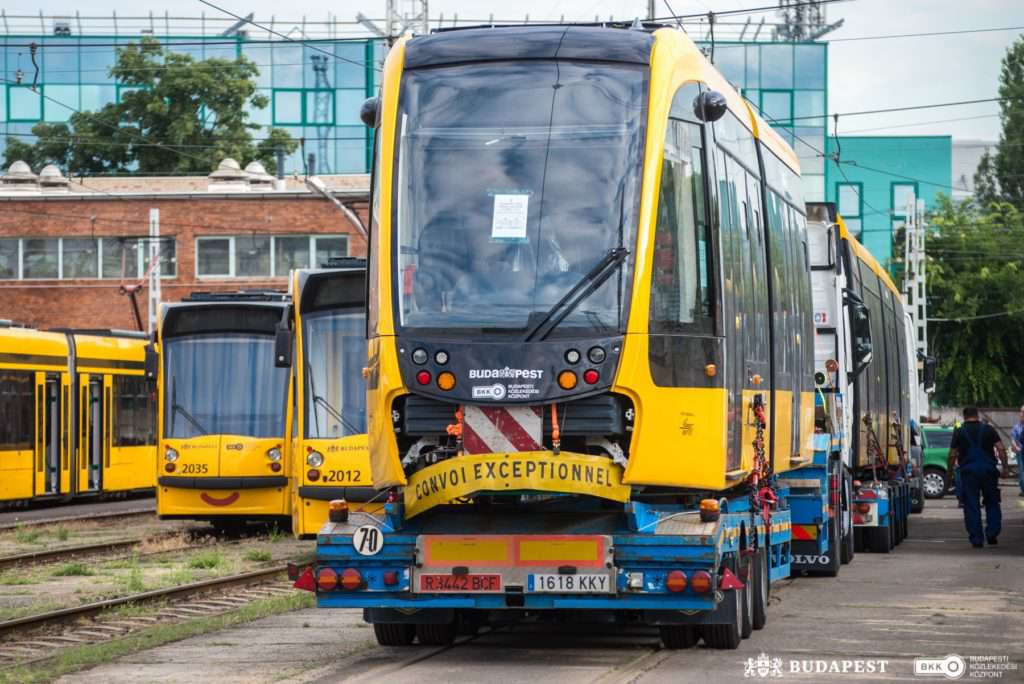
(394, 633)
(436, 634)
(747, 599)
(834, 561)
(726, 637)
(759, 617)
(848, 545)
(676, 637)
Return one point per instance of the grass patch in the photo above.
(126, 563)
(275, 534)
(25, 535)
(178, 577)
(90, 655)
(258, 555)
(62, 533)
(207, 560)
(8, 580)
(73, 570)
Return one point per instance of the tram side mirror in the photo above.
(710, 106)
(860, 329)
(930, 366)
(152, 364)
(368, 111)
(283, 341)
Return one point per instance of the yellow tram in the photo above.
(224, 409)
(585, 244)
(329, 439)
(77, 414)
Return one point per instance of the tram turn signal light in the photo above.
(567, 380)
(700, 582)
(337, 510)
(446, 381)
(676, 581)
(710, 510)
(351, 579)
(326, 579)
(591, 376)
(423, 377)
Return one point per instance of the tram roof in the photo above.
(31, 347)
(864, 255)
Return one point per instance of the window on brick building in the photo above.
(252, 256)
(290, 253)
(80, 257)
(328, 248)
(8, 259)
(41, 258)
(213, 257)
(129, 257)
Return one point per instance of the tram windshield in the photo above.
(223, 385)
(514, 181)
(334, 355)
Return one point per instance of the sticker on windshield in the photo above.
(510, 213)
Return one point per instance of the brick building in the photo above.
(70, 249)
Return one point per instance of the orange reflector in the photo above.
(700, 582)
(326, 579)
(757, 379)
(676, 581)
(711, 370)
(567, 380)
(446, 381)
(351, 579)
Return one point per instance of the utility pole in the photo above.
(154, 268)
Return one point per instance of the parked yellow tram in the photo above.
(329, 440)
(224, 409)
(77, 415)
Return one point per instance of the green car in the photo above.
(935, 441)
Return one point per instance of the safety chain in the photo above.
(874, 448)
(762, 495)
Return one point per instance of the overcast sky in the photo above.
(863, 74)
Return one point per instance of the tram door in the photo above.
(47, 447)
(93, 435)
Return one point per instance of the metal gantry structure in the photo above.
(915, 288)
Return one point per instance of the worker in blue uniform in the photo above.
(974, 449)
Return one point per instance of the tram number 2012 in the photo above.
(342, 476)
(195, 468)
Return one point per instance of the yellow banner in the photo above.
(567, 473)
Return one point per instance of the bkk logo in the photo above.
(496, 391)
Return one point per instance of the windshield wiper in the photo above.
(317, 399)
(594, 278)
(178, 408)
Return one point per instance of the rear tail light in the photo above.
(275, 467)
(700, 582)
(676, 581)
(169, 467)
(390, 578)
(326, 579)
(858, 519)
(864, 508)
(867, 494)
(313, 475)
(351, 579)
(423, 377)
(591, 376)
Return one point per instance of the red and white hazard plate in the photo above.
(463, 584)
(502, 429)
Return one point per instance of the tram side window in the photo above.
(134, 412)
(681, 286)
(17, 402)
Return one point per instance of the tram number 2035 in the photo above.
(195, 469)
(352, 476)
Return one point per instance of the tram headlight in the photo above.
(274, 454)
(171, 455)
(314, 459)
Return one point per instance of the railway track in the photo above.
(108, 515)
(184, 602)
(69, 552)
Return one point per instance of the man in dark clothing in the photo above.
(974, 448)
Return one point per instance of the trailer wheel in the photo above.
(849, 543)
(394, 633)
(832, 569)
(436, 635)
(726, 637)
(676, 637)
(746, 573)
(759, 616)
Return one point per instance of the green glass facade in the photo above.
(877, 175)
(322, 108)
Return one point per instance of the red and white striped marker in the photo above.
(502, 429)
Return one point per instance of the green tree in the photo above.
(975, 270)
(176, 115)
(1001, 176)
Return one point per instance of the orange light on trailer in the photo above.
(676, 581)
(710, 510)
(700, 582)
(446, 381)
(711, 370)
(326, 579)
(567, 380)
(351, 579)
(337, 510)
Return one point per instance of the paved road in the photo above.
(933, 596)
